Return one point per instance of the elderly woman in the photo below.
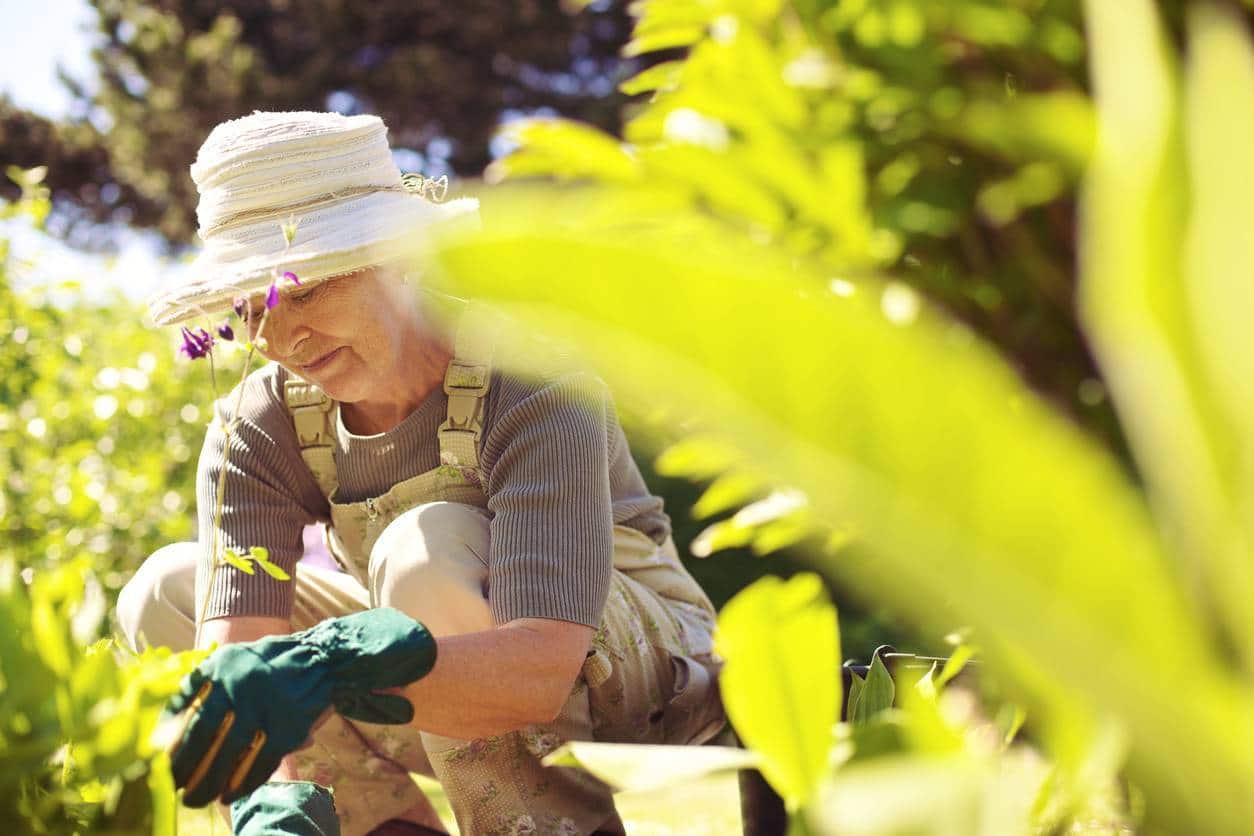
(507, 580)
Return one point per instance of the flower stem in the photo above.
(228, 429)
(213, 375)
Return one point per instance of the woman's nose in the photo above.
(282, 333)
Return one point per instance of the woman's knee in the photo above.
(433, 533)
(157, 605)
(432, 563)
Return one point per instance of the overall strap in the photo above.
(466, 384)
(311, 409)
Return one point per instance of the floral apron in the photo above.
(649, 678)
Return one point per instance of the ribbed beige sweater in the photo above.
(558, 475)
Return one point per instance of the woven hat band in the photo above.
(303, 205)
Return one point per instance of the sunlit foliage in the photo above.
(733, 262)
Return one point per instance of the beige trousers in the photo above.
(648, 679)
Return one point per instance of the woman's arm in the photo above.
(483, 684)
(499, 680)
(270, 496)
(240, 628)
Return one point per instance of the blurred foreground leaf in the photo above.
(977, 503)
(781, 680)
(1166, 285)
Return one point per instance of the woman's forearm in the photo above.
(499, 680)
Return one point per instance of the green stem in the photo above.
(228, 430)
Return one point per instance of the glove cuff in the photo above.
(294, 807)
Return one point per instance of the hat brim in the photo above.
(330, 241)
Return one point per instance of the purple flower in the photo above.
(196, 344)
(240, 305)
(272, 295)
(225, 331)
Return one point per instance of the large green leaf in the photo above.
(1170, 330)
(937, 796)
(1219, 249)
(978, 501)
(780, 682)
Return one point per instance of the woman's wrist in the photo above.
(240, 628)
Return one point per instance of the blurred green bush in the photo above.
(77, 717)
(100, 427)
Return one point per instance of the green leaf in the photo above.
(660, 75)
(905, 794)
(663, 38)
(926, 686)
(724, 534)
(1010, 718)
(565, 149)
(1057, 126)
(164, 800)
(262, 555)
(234, 558)
(955, 663)
(880, 736)
(696, 457)
(1164, 284)
(856, 686)
(781, 533)
(727, 491)
(26, 177)
(274, 570)
(779, 684)
(877, 695)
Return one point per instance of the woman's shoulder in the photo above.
(554, 386)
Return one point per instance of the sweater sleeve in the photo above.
(268, 496)
(548, 488)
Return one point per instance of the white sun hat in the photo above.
(332, 174)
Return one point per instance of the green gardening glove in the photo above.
(249, 704)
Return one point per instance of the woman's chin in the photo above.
(332, 376)
(339, 390)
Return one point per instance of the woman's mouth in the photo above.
(321, 361)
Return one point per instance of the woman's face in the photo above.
(349, 335)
